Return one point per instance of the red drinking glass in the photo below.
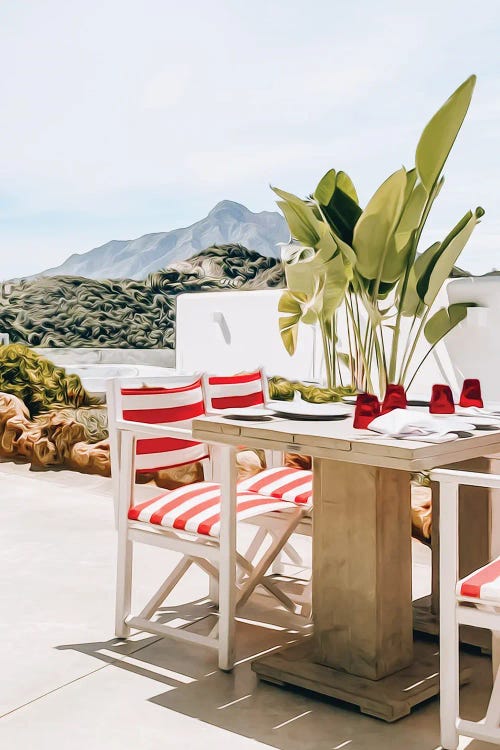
(471, 393)
(395, 398)
(367, 408)
(441, 400)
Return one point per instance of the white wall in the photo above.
(230, 331)
(225, 332)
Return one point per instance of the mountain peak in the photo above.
(228, 223)
(234, 209)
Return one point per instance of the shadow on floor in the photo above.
(192, 685)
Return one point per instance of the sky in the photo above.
(123, 118)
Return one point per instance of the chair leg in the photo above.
(227, 566)
(279, 567)
(492, 718)
(495, 652)
(123, 586)
(257, 574)
(256, 544)
(213, 590)
(448, 642)
(167, 586)
(306, 608)
(449, 687)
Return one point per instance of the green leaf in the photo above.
(374, 228)
(401, 244)
(301, 222)
(384, 288)
(289, 333)
(329, 244)
(288, 197)
(326, 187)
(412, 304)
(443, 260)
(291, 303)
(444, 320)
(315, 272)
(295, 253)
(341, 210)
(440, 133)
(345, 184)
(410, 217)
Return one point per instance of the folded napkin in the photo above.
(367, 408)
(441, 400)
(418, 425)
(395, 398)
(471, 393)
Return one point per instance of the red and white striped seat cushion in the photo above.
(235, 391)
(176, 407)
(196, 508)
(483, 584)
(283, 482)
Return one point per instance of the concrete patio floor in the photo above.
(66, 682)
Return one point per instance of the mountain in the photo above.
(227, 223)
(219, 267)
(61, 311)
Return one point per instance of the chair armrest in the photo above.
(143, 430)
(475, 479)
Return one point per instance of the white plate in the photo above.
(349, 400)
(490, 412)
(251, 414)
(304, 410)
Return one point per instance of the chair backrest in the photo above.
(161, 403)
(224, 392)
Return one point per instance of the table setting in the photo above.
(437, 420)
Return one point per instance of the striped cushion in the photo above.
(235, 391)
(196, 508)
(483, 584)
(283, 482)
(165, 406)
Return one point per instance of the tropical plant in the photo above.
(343, 259)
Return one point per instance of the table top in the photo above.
(338, 440)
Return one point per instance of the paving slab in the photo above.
(67, 682)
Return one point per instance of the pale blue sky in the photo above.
(121, 118)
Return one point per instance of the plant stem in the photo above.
(360, 347)
(422, 361)
(405, 353)
(404, 370)
(330, 376)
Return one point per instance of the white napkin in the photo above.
(417, 425)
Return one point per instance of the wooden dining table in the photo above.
(362, 650)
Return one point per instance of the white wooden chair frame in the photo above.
(289, 557)
(219, 558)
(456, 610)
(273, 458)
(112, 403)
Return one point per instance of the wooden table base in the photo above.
(389, 698)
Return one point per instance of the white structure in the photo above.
(473, 345)
(226, 332)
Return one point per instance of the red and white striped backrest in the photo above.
(235, 391)
(175, 406)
